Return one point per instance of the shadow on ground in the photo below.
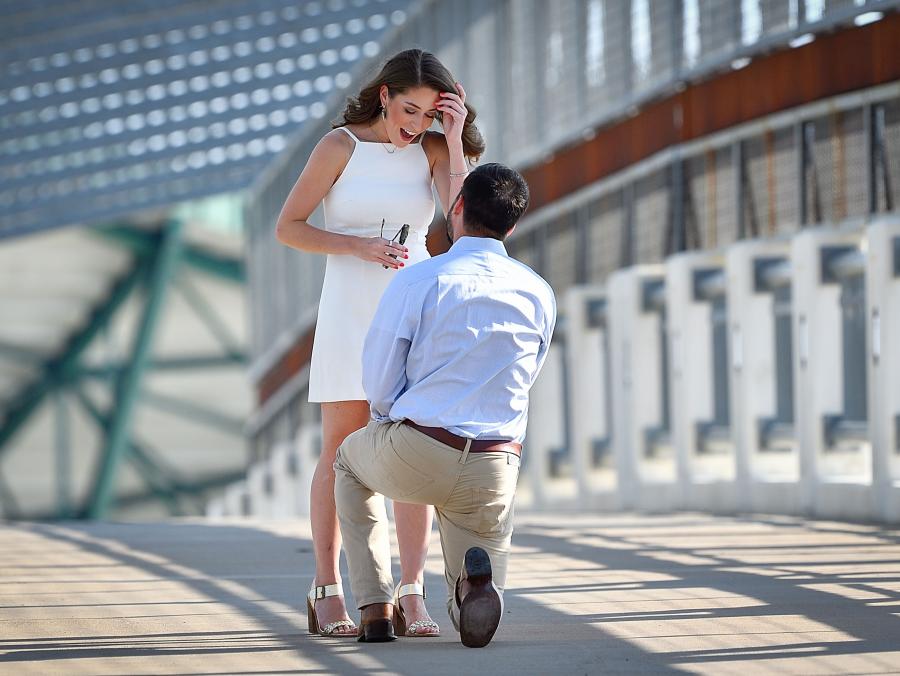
(587, 595)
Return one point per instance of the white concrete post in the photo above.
(645, 481)
(589, 396)
(705, 475)
(766, 478)
(883, 293)
(835, 483)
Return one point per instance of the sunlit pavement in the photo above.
(587, 595)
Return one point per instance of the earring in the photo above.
(383, 113)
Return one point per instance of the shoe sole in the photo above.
(479, 613)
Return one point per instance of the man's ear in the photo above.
(458, 207)
(511, 230)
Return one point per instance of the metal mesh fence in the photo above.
(651, 208)
(606, 227)
(559, 30)
(852, 136)
(725, 204)
(562, 244)
(887, 155)
(752, 182)
(785, 178)
(539, 73)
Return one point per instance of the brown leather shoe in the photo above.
(481, 608)
(375, 624)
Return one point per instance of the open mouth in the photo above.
(405, 135)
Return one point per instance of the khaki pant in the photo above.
(472, 494)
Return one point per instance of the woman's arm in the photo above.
(325, 164)
(449, 168)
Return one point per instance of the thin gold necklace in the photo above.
(382, 143)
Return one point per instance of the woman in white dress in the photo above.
(373, 173)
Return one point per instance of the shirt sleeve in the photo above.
(386, 348)
(549, 327)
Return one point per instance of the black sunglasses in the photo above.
(400, 236)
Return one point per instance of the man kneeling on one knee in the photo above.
(449, 360)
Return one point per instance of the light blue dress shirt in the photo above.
(458, 340)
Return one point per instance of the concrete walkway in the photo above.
(588, 595)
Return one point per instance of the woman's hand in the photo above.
(453, 115)
(380, 250)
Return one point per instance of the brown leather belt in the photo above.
(459, 443)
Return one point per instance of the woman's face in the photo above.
(409, 113)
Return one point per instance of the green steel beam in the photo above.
(143, 242)
(165, 478)
(59, 369)
(160, 479)
(63, 456)
(210, 318)
(128, 386)
(104, 422)
(186, 363)
(193, 412)
(155, 480)
(150, 473)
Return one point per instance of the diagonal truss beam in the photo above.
(210, 318)
(140, 242)
(159, 481)
(128, 385)
(164, 482)
(60, 369)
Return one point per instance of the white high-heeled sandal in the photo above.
(323, 592)
(400, 626)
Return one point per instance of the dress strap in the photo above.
(349, 133)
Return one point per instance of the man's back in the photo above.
(466, 334)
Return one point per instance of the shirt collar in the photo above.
(469, 243)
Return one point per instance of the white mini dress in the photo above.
(375, 185)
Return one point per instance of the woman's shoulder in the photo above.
(433, 138)
(338, 139)
(332, 153)
(434, 145)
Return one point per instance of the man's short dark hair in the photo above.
(494, 198)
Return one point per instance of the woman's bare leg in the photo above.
(339, 418)
(413, 524)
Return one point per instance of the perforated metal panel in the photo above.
(726, 205)
(108, 108)
(719, 27)
(785, 177)
(654, 42)
(651, 210)
(700, 193)
(606, 225)
(888, 174)
(525, 249)
(523, 114)
(562, 247)
(560, 71)
(776, 16)
(485, 81)
(838, 149)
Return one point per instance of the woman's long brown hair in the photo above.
(407, 70)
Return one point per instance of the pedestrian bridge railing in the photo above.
(764, 377)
